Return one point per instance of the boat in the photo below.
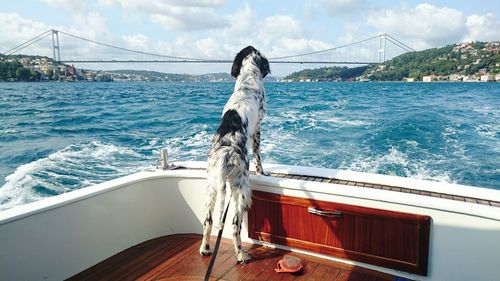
(343, 225)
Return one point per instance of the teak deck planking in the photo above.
(176, 257)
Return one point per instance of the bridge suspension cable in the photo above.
(28, 43)
(325, 50)
(288, 59)
(399, 43)
(130, 50)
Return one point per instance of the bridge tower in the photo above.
(381, 48)
(55, 45)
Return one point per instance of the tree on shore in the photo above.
(16, 71)
(23, 74)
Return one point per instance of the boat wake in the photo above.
(398, 163)
(73, 167)
(437, 132)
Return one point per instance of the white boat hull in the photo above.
(58, 237)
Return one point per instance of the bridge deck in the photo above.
(176, 257)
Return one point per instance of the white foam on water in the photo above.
(152, 144)
(277, 143)
(343, 122)
(417, 169)
(451, 136)
(267, 148)
(291, 115)
(487, 110)
(316, 119)
(72, 167)
(374, 165)
(8, 132)
(423, 173)
(488, 130)
(193, 147)
(412, 143)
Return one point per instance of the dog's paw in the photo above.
(243, 257)
(263, 173)
(205, 250)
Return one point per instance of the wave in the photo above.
(194, 146)
(488, 130)
(313, 121)
(8, 132)
(378, 128)
(398, 163)
(343, 122)
(73, 167)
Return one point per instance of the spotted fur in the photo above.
(239, 131)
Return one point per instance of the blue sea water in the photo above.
(58, 137)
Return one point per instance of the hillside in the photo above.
(11, 69)
(38, 68)
(335, 73)
(17, 68)
(144, 75)
(466, 61)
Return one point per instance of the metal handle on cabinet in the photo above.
(312, 210)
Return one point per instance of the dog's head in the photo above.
(260, 61)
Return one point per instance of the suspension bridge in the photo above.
(68, 48)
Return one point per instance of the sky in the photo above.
(218, 29)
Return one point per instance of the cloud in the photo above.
(175, 15)
(427, 26)
(95, 27)
(74, 6)
(188, 19)
(215, 33)
(424, 26)
(219, 36)
(137, 41)
(275, 28)
(283, 35)
(196, 3)
(482, 28)
(20, 30)
(275, 35)
(335, 8)
(157, 6)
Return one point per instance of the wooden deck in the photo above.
(176, 257)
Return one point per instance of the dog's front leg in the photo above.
(256, 154)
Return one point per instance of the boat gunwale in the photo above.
(370, 178)
(196, 170)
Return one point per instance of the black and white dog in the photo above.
(228, 157)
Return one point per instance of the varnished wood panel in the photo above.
(391, 239)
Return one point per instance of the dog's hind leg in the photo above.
(207, 224)
(216, 185)
(242, 199)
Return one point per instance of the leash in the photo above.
(216, 249)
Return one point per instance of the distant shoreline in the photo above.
(274, 81)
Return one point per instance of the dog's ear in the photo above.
(238, 60)
(264, 66)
